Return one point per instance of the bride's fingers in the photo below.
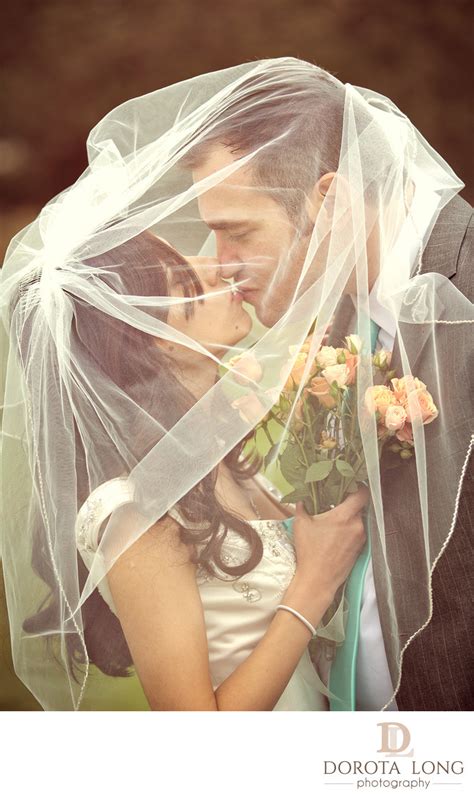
(355, 502)
(301, 511)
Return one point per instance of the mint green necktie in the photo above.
(342, 680)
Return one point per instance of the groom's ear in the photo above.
(320, 193)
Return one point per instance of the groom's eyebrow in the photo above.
(224, 224)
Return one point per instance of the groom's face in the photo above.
(258, 245)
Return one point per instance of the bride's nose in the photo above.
(212, 274)
(208, 270)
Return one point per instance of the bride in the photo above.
(196, 595)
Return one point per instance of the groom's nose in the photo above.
(228, 258)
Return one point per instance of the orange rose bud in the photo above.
(320, 388)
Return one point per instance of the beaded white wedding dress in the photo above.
(237, 611)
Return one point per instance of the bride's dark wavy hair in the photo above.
(152, 382)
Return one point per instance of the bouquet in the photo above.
(322, 456)
(316, 438)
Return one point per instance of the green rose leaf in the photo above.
(345, 469)
(290, 465)
(271, 455)
(318, 471)
(361, 473)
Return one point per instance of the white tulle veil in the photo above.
(82, 274)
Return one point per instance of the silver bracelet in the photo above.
(298, 615)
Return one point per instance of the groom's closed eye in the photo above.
(238, 236)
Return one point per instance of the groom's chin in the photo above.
(266, 314)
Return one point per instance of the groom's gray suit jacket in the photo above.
(438, 664)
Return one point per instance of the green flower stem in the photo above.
(313, 495)
(275, 418)
(314, 490)
(269, 437)
(342, 488)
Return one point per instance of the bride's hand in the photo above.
(327, 545)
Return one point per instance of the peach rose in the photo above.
(319, 388)
(273, 394)
(250, 408)
(304, 348)
(352, 362)
(395, 417)
(420, 405)
(403, 385)
(327, 356)
(298, 415)
(245, 368)
(417, 401)
(379, 398)
(405, 433)
(338, 373)
(296, 373)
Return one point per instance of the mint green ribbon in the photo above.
(342, 680)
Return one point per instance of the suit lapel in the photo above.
(415, 337)
(440, 255)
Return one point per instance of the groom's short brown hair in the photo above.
(298, 113)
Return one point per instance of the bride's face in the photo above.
(217, 322)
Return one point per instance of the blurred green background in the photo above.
(64, 65)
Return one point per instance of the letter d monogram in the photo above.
(390, 732)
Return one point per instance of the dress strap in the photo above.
(99, 505)
(175, 514)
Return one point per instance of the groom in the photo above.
(254, 226)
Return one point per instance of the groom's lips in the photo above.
(247, 293)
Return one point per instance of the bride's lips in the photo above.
(237, 296)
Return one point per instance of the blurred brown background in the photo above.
(65, 64)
